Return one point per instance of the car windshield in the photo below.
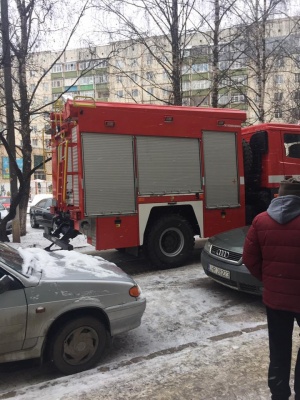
(11, 257)
(2, 207)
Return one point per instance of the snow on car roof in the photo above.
(54, 265)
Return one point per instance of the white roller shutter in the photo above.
(221, 173)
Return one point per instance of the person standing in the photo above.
(272, 254)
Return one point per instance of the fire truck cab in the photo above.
(146, 176)
(274, 156)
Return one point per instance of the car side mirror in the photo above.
(5, 283)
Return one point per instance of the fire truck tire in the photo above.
(33, 222)
(248, 157)
(170, 242)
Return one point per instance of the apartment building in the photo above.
(132, 72)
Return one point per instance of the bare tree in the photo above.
(264, 50)
(163, 30)
(29, 30)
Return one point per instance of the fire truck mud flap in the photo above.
(169, 241)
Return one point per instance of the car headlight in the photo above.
(207, 246)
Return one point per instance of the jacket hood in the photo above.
(284, 208)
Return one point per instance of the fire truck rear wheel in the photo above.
(170, 242)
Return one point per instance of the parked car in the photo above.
(37, 198)
(222, 261)
(40, 213)
(5, 201)
(63, 306)
(3, 213)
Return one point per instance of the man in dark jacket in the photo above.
(272, 254)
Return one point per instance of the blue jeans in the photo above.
(280, 326)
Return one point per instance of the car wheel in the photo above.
(33, 222)
(78, 345)
(170, 242)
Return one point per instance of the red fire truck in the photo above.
(132, 176)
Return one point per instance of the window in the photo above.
(223, 65)
(186, 69)
(224, 82)
(223, 99)
(279, 62)
(238, 64)
(292, 145)
(297, 95)
(134, 92)
(101, 63)
(238, 98)
(87, 93)
(149, 75)
(134, 62)
(69, 82)
(40, 175)
(45, 86)
(119, 64)
(278, 96)
(57, 68)
(119, 94)
(32, 73)
(84, 65)
(34, 142)
(165, 76)
(101, 78)
(70, 66)
(278, 113)
(200, 67)
(134, 77)
(32, 87)
(119, 79)
(239, 79)
(297, 78)
(186, 85)
(186, 101)
(278, 79)
(151, 91)
(186, 52)
(202, 84)
(86, 80)
(149, 59)
(56, 83)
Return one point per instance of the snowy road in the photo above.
(198, 340)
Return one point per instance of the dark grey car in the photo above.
(221, 259)
(40, 213)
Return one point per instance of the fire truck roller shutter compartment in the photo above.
(221, 170)
(168, 165)
(108, 174)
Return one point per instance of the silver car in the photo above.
(63, 306)
(222, 261)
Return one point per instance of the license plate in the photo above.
(219, 271)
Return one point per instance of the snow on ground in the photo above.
(198, 340)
